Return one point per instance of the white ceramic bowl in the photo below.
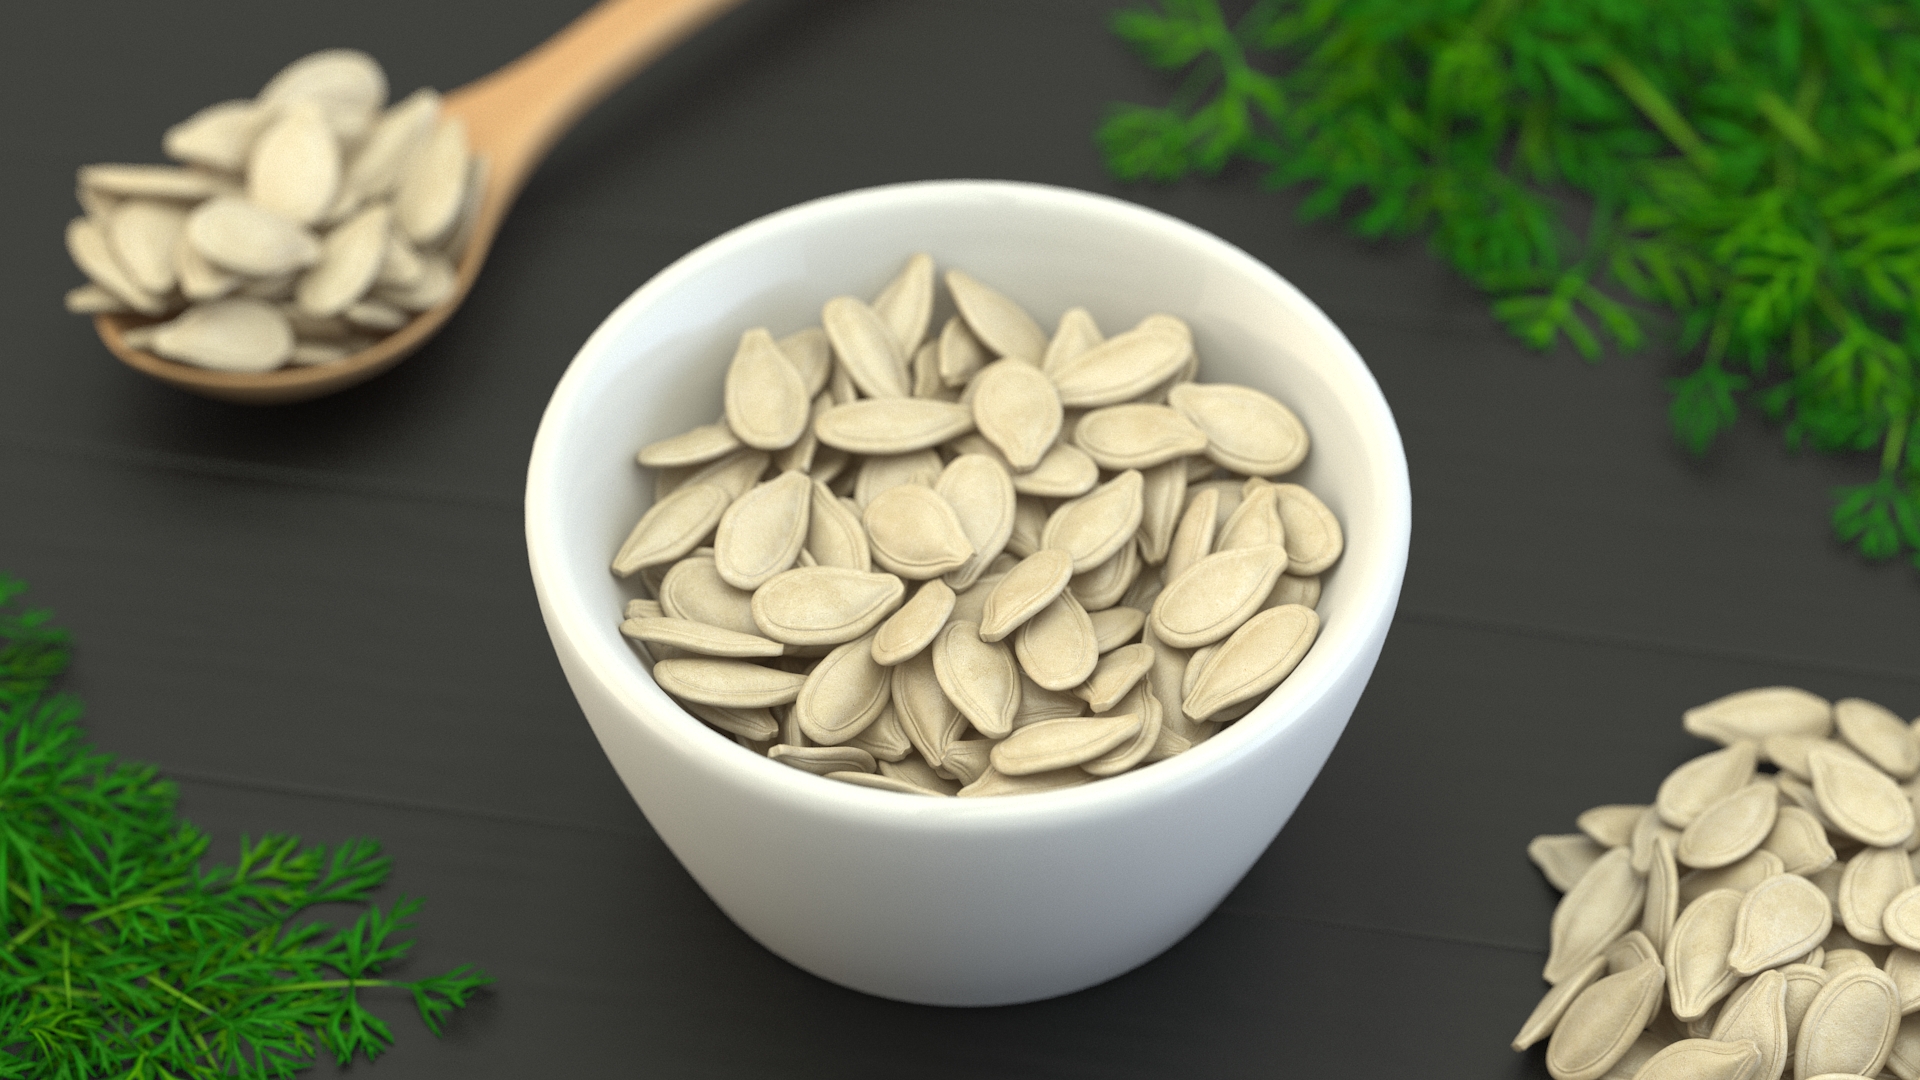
(959, 901)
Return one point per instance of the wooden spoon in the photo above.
(513, 117)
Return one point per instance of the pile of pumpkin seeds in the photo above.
(1759, 920)
(983, 561)
(299, 227)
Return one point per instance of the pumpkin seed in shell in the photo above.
(1061, 744)
(982, 496)
(1056, 647)
(1739, 877)
(1696, 954)
(882, 426)
(1126, 365)
(1564, 859)
(913, 627)
(1730, 829)
(1015, 408)
(1137, 702)
(693, 589)
(754, 725)
(905, 304)
(1850, 1025)
(844, 693)
(824, 605)
(822, 760)
(1865, 803)
(1105, 585)
(1702, 1059)
(1213, 597)
(930, 719)
(885, 738)
(993, 782)
(1780, 919)
(1136, 436)
(888, 471)
(1255, 522)
(1799, 840)
(1193, 537)
(1553, 1004)
(1870, 882)
(1115, 626)
(866, 348)
(1611, 825)
(766, 400)
(1093, 527)
(1602, 1021)
(1880, 736)
(1698, 784)
(1000, 324)
(734, 684)
(980, 677)
(699, 638)
(961, 354)
(696, 446)
(1247, 431)
(1075, 334)
(1753, 715)
(913, 532)
(1662, 907)
(762, 532)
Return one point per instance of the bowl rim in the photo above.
(569, 616)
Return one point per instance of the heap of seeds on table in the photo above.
(1759, 920)
(301, 225)
(981, 561)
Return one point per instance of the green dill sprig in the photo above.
(121, 957)
(1752, 169)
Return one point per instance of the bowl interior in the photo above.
(655, 368)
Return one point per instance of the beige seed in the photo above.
(1126, 365)
(762, 532)
(1246, 430)
(693, 589)
(1803, 985)
(1640, 843)
(435, 285)
(967, 760)
(866, 348)
(346, 83)
(396, 139)
(883, 426)
(1029, 524)
(1213, 597)
(912, 628)
(1602, 1021)
(1903, 967)
(1752, 715)
(433, 185)
(1038, 703)
(1255, 522)
(1138, 702)
(1115, 626)
(914, 533)
(1696, 953)
(1799, 840)
(1663, 895)
(1313, 534)
(1612, 825)
(1698, 784)
(1060, 744)
(238, 236)
(1790, 753)
(142, 234)
(835, 535)
(754, 725)
(767, 404)
(912, 770)
(1801, 795)
(930, 719)
(823, 760)
(1136, 436)
(1105, 585)
(1563, 859)
(1844, 954)
(1093, 527)
(979, 677)
(885, 738)
(90, 250)
(93, 300)
(1900, 919)
(294, 168)
(1114, 675)
(1703, 1059)
(811, 354)
(1001, 325)
(981, 494)
(699, 638)
(1730, 829)
(1860, 799)
(961, 354)
(1064, 472)
(1739, 877)
(1870, 882)
(708, 442)
(1644, 1047)
(369, 314)
(1779, 920)
(845, 692)
(1904, 1060)
(1850, 1026)
(993, 782)
(880, 783)
(1759, 1016)
(350, 257)
(1015, 408)
(881, 474)
(905, 305)
(1632, 950)
(1163, 494)
(218, 136)
(1879, 735)
(1026, 589)
(1075, 334)
(227, 335)
(824, 605)
(735, 684)
(1193, 538)
(152, 182)
(1253, 660)
(924, 370)
(1056, 647)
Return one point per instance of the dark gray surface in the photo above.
(318, 617)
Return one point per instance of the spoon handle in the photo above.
(515, 114)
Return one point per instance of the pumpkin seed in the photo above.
(1730, 829)
(924, 373)
(767, 404)
(1602, 1022)
(1691, 788)
(1860, 799)
(1779, 920)
(1880, 736)
(1104, 585)
(1870, 882)
(1696, 953)
(1193, 538)
(1000, 324)
(238, 236)
(1900, 920)
(1313, 533)
(1136, 436)
(1093, 527)
(1075, 334)
(994, 782)
(735, 684)
(1739, 877)
(915, 533)
(1790, 752)
(961, 354)
(1115, 626)
(756, 725)
(693, 589)
(1163, 494)
(346, 83)
(218, 136)
(1263, 651)
(912, 628)
(350, 259)
(234, 334)
(885, 738)
(1563, 859)
(142, 234)
(981, 494)
(1016, 410)
(1126, 365)
(824, 605)
(866, 348)
(1663, 894)
(708, 442)
(1632, 950)
(1752, 715)
(1246, 431)
(151, 182)
(980, 678)
(845, 692)
(1213, 597)
(699, 638)
(1850, 1025)
(90, 250)
(1799, 840)
(911, 770)
(888, 426)
(1060, 744)
(294, 168)
(1255, 522)
(1056, 647)
(762, 532)
(905, 305)
(823, 760)
(930, 719)
(884, 473)
(1553, 1005)
(1115, 674)
(1611, 826)
(432, 188)
(1702, 1059)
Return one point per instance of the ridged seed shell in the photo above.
(1094, 526)
(1247, 431)
(235, 334)
(1553, 1004)
(979, 677)
(931, 720)
(1740, 877)
(866, 348)
(1698, 784)
(914, 533)
(699, 638)
(1139, 702)
(823, 760)
(1563, 859)
(1064, 472)
(756, 725)
(844, 693)
(434, 185)
(1075, 334)
(1860, 799)
(767, 404)
(1030, 586)
(1015, 408)
(1313, 534)
(1253, 660)
(1255, 522)
(1780, 919)
(892, 425)
(1060, 744)
(1799, 840)
(762, 532)
(961, 354)
(693, 589)
(151, 181)
(735, 684)
(1752, 715)
(1105, 585)
(1632, 950)
(1029, 525)
(1696, 953)
(1603, 905)
(811, 354)
(1125, 365)
(1115, 626)
(1850, 1026)
(1114, 675)
(1870, 882)
(1901, 919)
(1730, 829)
(294, 168)
(1193, 536)
(142, 234)
(1213, 597)
(1662, 908)
(235, 235)
(1879, 735)
(1136, 436)
(708, 442)
(914, 626)
(1610, 825)
(1001, 325)
(1702, 1059)
(671, 527)
(879, 474)
(905, 305)
(824, 605)
(1056, 647)
(1602, 1022)
(981, 494)
(1163, 494)
(350, 259)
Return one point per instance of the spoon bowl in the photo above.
(513, 117)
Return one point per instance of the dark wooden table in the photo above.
(318, 618)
